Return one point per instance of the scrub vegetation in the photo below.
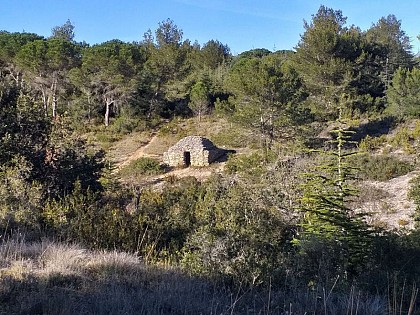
(314, 210)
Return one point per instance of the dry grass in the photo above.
(127, 146)
(218, 130)
(174, 131)
(56, 278)
(141, 145)
(161, 144)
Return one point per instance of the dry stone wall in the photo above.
(192, 150)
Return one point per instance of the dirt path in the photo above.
(140, 152)
(199, 173)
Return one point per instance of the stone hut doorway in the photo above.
(187, 158)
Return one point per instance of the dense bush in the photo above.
(371, 144)
(381, 167)
(414, 194)
(143, 166)
(237, 237)
(253, 164)
(20, 199)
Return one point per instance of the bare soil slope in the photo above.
(388, 203)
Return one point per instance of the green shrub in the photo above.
(143, 166)
(381, 167)
(416, 131)
(234, 137)
(172, 128)
(414, 194)
(370, 144)
(124, 125)
(20, 199)
(402, 139)
(107, 138)
(235, 237)
(245, 164)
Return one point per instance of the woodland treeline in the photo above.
(268, 217)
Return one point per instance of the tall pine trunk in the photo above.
(45, 101)
(54, 98)
(108, 104)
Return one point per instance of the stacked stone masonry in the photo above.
(192, 151)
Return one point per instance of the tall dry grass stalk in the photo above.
(56, 278)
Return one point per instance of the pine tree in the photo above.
(404, 93)
(327, 218)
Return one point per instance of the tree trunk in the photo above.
(108, 104)
(17, 78)
(262, 130)
(54, 106)
(89, 108)
(54, 98)
(45, 101)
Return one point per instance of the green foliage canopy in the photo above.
(199, 99)
(109, 72)
(65, 31)
(268, 94)
(404, 93)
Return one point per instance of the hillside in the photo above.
(50, 277)
(313, 207)
(386, 201)
(136, 146)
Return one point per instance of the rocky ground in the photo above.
(388, 203)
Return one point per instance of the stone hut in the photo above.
(192, 151)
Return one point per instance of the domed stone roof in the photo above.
(192, 143)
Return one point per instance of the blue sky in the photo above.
(241, 24)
